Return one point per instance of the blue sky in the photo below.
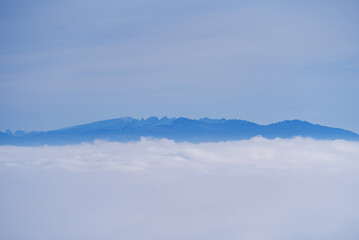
(70, 62)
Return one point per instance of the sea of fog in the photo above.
(254, 189)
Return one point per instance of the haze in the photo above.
(64, 63)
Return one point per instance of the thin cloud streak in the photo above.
(178, 58)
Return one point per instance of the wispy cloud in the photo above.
(205, 58)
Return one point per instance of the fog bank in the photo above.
(158, 189)
(297, 154)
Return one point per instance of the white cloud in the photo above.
(256, 189)
(296, 154)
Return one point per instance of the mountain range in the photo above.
(177, 129)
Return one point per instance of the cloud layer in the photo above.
(296, 154)
(256, 189)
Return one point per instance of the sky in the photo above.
(256, 189)
(65, 63)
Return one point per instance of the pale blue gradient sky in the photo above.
(70, 62)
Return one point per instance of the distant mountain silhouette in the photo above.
(178, 129)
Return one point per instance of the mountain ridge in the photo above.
(178, 129)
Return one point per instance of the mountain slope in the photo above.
(178, 129)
